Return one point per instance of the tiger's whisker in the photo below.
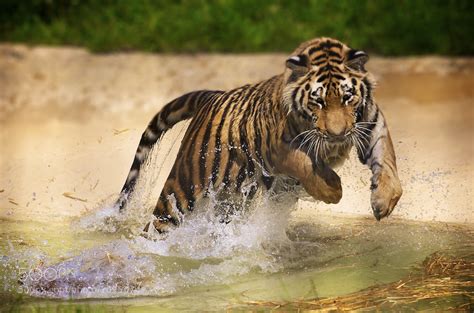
(362, 136)
(370, 123)
(361, 132)
(363, 128)
(300, 134)
(306, 139)
(356, 143)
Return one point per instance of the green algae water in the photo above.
(267, 255)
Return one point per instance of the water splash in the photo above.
(202, 251)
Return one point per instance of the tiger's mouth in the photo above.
(319, 142)
(337, 138)
(340, 139)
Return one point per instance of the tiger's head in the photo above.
(326, 88)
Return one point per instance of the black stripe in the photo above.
(232, 151)
(313, 50)
(329, 44)
(195, 100)
(196, 125)
(363, 158)
(268, 181)
(319, 57)
(153, 125)
(164, 200)
(258, 146)
(228, 167)
(293, 99)
(240, 178)
(368, 96)
(374, 121)
(322, 78)
(371, 150)
(336, 69)
(360, 108)
(251, 193)
(178, 103)
(375, 163)
(337, 76)
(257, 132)
(136, 164)
(218, 144)
(250, 89)
(303, 93)
(323, 69)
(333, 54)
(205, 146)
(320, 62)
(245, 147)
(337, 61)
(269, 153)
(147, 141)
(188, 188)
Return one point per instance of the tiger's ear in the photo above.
(356, 60)
(299, 66)
(298, 62)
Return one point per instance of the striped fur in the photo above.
(297, 125)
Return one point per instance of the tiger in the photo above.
(299, 125)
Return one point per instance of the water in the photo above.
(266, 254)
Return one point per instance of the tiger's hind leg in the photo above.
(177, 198)
(166, 215)
(230, 204)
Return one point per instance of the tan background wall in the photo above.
(71, 120)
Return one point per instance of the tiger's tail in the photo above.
(179, 109)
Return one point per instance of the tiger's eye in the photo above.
(346, 97)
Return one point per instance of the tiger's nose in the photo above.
(337, 130)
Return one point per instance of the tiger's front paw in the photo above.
(386, 191)
(330, 195)
(330, 190)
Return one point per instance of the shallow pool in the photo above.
(207, 265)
